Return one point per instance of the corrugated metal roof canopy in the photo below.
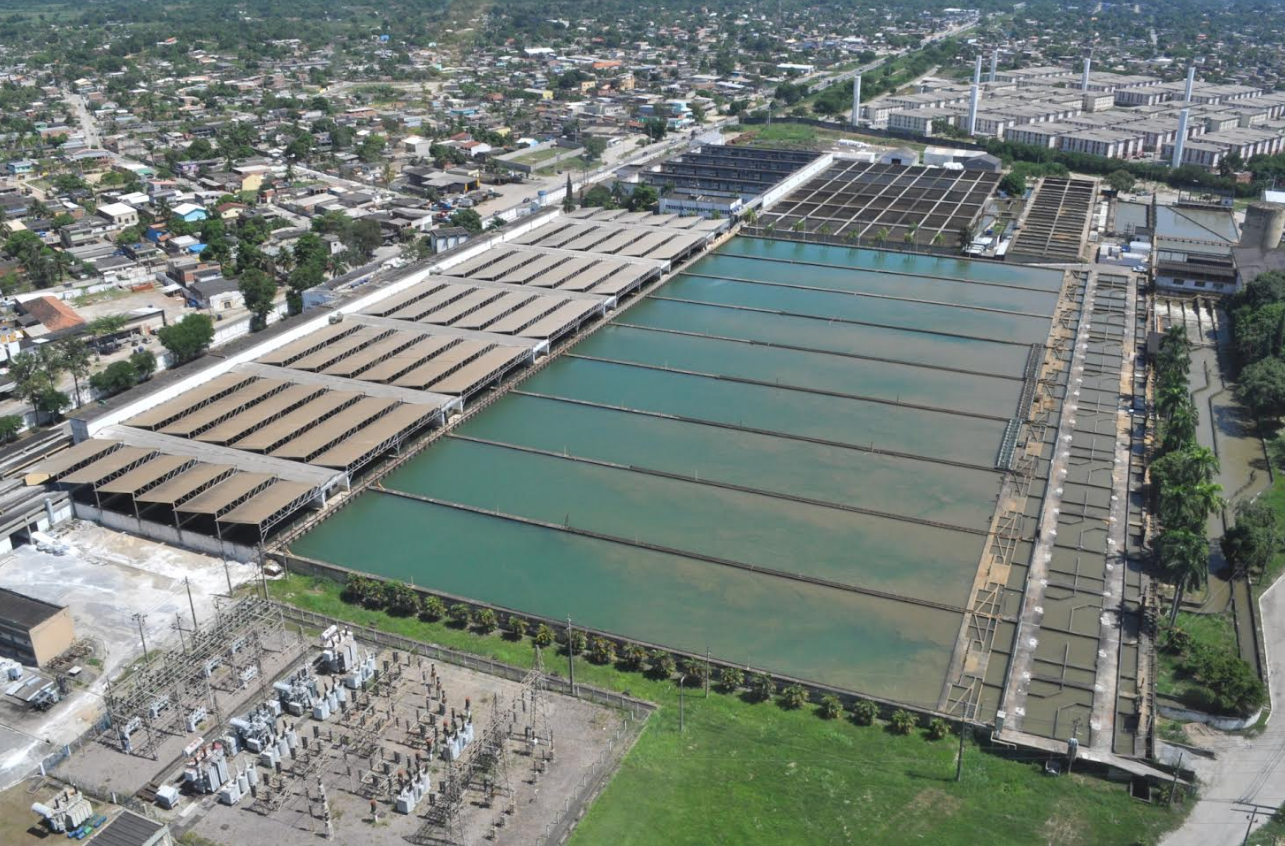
(225, 493)
(113, 462)
(74, 455)
(141, 477)
(265, 504)
(181, 486)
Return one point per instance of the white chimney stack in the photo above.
(1191, 81)
(1084, 80)
(972, 108)
(994, 65)
(1181, 141)
(856, 99)
(977, 72)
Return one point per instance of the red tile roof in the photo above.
(53, 313)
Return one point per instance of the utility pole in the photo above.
(139, 618)
(1249, 829)
(707, 672)
(227, 572)
(188, 584)
(571, 657)
(178, 624)
(682, 685)
(1173, 786)
(964, 730)
(1072, 745)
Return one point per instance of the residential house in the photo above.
(119, 214)
(215, 293)
(190, 212)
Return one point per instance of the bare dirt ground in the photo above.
(364, 753)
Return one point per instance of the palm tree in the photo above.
(74, 356)
(1180, 429)
(938, 238)
(881, 236)
(1184, 468)
(1174, 355)
(1199, 501)
(1184, 559)
(1169, 398)
(62, 263)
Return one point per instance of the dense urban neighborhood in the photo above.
(452, 422)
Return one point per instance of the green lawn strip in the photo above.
(1275, 497)
(785, 134)
(756, 773)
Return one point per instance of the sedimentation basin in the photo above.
(785, 455)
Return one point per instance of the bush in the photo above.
(831, 708)
(433, 609)
(1013, 184)
(730, 679)
(902, 722)
(602, 651)
(762, 687)
(864, 712)
(543, 636)
(1176, 640)
(460, 614)
(938, 728)
(632, 656)
(400, 600)
(575, 642)
(1234, 687)
(486, 621)
(660, 664)
(117, 377)
(793, 697)
(517, 627)
(694, 669)
(360, 590)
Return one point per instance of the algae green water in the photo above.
(692, 459)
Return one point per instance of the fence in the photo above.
(51, 761)
(557, 684)
(591, 783)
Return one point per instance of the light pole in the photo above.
(571, 657)
(682, 685)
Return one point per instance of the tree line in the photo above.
(401, 600)
(1184, 495)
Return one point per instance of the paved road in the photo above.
(1247, 769)
(87, 125)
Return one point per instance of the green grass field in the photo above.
(745, 773)
(784, 134)
(1214, 630)
(1274, 496)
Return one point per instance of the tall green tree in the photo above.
(1261, 387)
(75, 358)
(1184, 559)
(188, 338)
(259, 290)
(1251, 542)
